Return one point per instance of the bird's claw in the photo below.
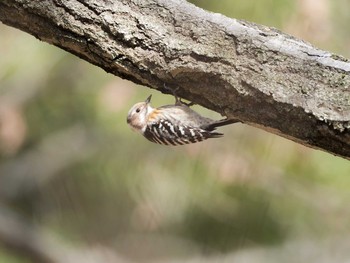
(178, 101)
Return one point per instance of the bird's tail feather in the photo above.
(215, 134)
(220, 123)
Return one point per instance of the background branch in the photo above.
(40, 246)
(239, 69)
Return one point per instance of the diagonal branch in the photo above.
(242, 70)
(40, 246)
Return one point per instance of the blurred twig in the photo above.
(18, 235)
(53, 154)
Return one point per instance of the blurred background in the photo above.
(77, 185)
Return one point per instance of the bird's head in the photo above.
(137, 116)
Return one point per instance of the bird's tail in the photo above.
(220, 123)
(213, 134)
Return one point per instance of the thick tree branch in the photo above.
(239, 69)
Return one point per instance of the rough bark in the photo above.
(242, 70)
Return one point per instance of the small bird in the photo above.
(174, 124)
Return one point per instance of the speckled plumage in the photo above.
(172, 124)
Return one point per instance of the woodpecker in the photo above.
(174, 124)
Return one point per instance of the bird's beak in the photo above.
(148, 100)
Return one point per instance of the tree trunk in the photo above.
(242, 70)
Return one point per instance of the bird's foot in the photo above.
(178, 101)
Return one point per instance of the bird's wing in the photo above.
(165, 132)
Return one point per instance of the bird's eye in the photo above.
(138, 110)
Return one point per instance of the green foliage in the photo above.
(7, 257)
(268, 12)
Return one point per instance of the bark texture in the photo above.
(242, 70)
